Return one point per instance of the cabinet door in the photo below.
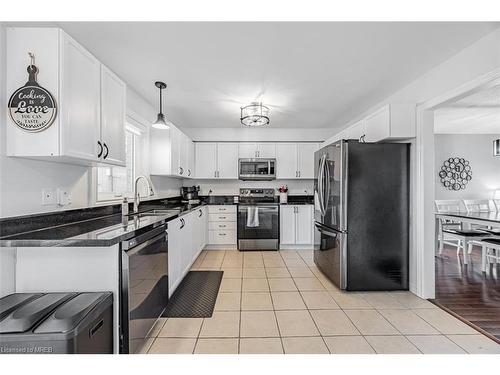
(205, 159)
(112, 117)
(175, 151)
(287, 225)
(357, 130)
(174, 254)
(305, 159)
(190, 158)
(227, 160)
(378, 125)
(286, 161)
(304, 225)
(247, 150)
(187, 243)
(266, 150)
(79, 100)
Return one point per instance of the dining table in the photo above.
(490, 219)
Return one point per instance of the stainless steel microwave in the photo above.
(257, 169)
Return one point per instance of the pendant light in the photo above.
(161, 122)
(496, 147)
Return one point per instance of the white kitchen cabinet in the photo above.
(222, 223)
(171, 153)
(227, 160)
(378, 125)
(113, 108)
(296, 226)
(90, 100)
(256, 150)
(305, 159)
(216, 160)
(295, 160)
(205, 159)
(287, 225)
(174, 254)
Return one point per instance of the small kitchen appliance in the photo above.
(190, 194)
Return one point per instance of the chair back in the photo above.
(447, 205)
(477, 205)
(496, 202)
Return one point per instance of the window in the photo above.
(116, 182)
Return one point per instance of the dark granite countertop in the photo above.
(98, 232)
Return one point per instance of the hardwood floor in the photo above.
(468, 292)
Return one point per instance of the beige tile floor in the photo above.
(279, 302)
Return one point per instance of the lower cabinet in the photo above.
(222, 225)
(296, 226)
(186, 239)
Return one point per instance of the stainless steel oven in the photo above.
(258, 220)
(257, 169)
(144, 286)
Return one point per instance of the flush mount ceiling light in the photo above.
(255, 114)
(161, 122)
(496, 147)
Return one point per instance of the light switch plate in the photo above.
(48, 197)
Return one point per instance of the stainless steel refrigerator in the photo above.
(361, 214)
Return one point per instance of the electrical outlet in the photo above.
(63, 196)
(48, 197)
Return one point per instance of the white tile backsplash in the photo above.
(232, 187)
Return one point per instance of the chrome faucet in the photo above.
(137, 198)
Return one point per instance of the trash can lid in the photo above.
(67, 316)
(25, 317)
(13, 301)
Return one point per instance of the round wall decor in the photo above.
(31, 107)
(455, 173)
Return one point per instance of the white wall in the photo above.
(478, 150)
(231, 187)
(22, 180)
(243, 134)
(477, 59)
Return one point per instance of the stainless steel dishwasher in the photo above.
(144, 286)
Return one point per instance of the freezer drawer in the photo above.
(329, 254)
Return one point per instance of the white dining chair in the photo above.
(452, 232)
(477, 205)
(490, 252)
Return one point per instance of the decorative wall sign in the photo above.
(455, 173)
(31, 107)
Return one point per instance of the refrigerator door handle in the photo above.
(330, 233)
(320, 185)
(327, 186)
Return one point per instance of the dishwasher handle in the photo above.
(144, 238)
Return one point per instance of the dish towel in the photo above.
(252, 216)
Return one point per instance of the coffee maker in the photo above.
(189, 194)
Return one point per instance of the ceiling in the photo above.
(310, 74)
(478, 113)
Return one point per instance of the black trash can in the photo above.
(45, 323)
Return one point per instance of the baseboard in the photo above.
(220, 247)
(296, 247)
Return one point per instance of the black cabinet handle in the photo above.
(100, 149)
(107, 151)
(189, 172)
(183, 223)
(201, 213)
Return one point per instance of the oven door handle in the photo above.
(136, 249)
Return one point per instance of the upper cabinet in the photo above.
(113, 114)
(378, 125)
(256, 150)
(171, 153)
(373, 128)
(89, 126)
(216, 160)
(295, 160)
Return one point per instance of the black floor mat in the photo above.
(195, 296)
